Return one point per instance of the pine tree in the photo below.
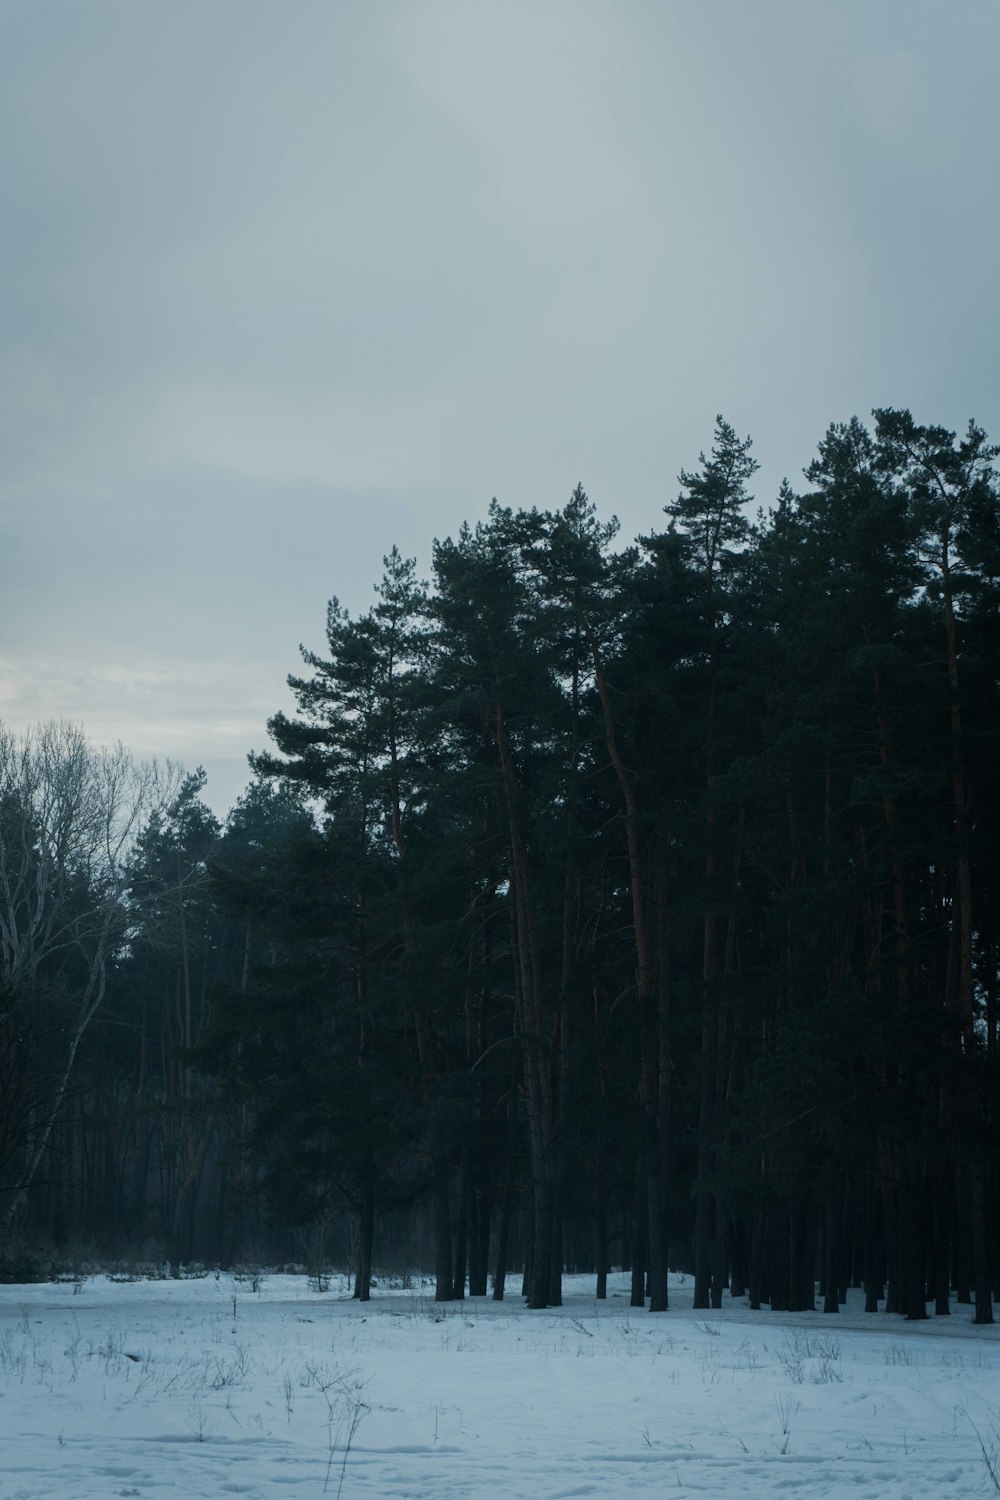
(709, 513)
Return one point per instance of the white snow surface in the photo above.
(204, 1388)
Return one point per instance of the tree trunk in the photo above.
(981, 1245)
(366, 1236)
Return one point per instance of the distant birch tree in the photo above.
(69, 817)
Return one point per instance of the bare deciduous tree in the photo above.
(69, 816)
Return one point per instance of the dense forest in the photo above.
(596, 905)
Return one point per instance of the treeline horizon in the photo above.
(595, 906)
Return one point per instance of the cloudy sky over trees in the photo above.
(283, 286)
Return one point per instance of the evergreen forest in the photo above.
(595, 905)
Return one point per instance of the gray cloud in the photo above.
(285, 285)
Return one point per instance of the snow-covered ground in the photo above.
(204, 1388)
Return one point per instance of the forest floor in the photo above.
(206, 1388)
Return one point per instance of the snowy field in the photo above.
(205, 1388)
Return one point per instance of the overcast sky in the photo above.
(282, 284)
